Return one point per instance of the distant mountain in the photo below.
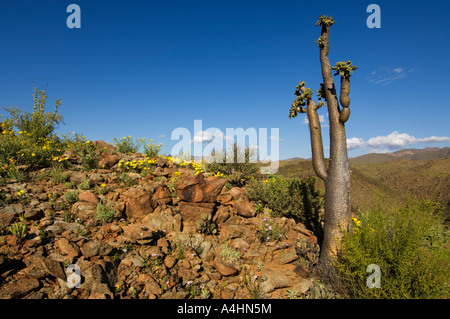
(389, 178)
(413, 154)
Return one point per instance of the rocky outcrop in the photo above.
(149, 246)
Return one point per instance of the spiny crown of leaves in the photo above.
(325, 20)
(345, 69)
(300, 100)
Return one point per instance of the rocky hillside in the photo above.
(175, 233)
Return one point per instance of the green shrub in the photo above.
(89, 154)
(71, 197)
(268, 231)
(150, 150)
(105, 213)
(19, 230)
(56, 173)
(293, 198)
(126, 145)
(409, 246)
(21, 148)
(86, 184)
(239, 166)
(39, 124)
(28, 138)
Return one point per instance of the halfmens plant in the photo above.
(336, 177)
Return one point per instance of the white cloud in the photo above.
(161, 136)
(393, 141)
(210, 136)
(203, 137)
(385, 76)
(354, 142)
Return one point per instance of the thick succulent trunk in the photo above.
(337, 197)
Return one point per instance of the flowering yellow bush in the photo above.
(137, 165)
(219, 174)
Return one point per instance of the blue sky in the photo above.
(145, 68)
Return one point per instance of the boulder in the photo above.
(196, 189)
(103, 146)
(135, 232)
(33, 214)
(224, 268)
(7, 218)
(138, 202)
(96, 248)
(193, 211)
(275, 279)
(162, 196)
(159, 171)
(65, 247)
(18, 288)
(240, 202)
(87, 196)
(108, 160)
(163, 219)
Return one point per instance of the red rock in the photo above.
(193, 211)
(212, 188)
(196, 189)
(7, 218)
(138, 202)
(222, 214)
(237, 192)
(87, 196)
(170, 261)
(108, 160)
(134, 232)
(103, 146)
(187, 181)
(162, 196)
(224, 268)
(67, 248)
(241, 203)
(18, 288)
(224, 198)
(95, 248)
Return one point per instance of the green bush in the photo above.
(241, 167)
(28, 138)
(126, 145)
(409, 246)
(105, 213)
(39, 124)
(71, 197)
(89, 154)
(268, 231)
(150, 150)
(290, 197)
